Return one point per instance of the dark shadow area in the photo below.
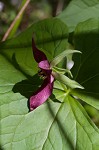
(53, 98)
(28, 87)
(25, 87)
(60, 125)
(1, 148)
(41, 43)
(70, 38)
(66, 3)
(86, 65)
(60, 5)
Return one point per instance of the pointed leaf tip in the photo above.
(65, 53)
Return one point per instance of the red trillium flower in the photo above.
(43, 93)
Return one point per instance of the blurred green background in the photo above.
(36, 10)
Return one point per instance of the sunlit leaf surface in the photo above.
(59, 124)
(79, 11)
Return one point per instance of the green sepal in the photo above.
(58, 58)
(65, 80)
(62, 71)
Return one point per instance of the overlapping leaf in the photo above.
(86, 68)
(59, 124)
(78, 11)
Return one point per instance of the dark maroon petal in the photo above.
(38, 55)
(42, 94)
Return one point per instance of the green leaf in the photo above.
(88, 139)
(65, 80)
(67, 121)
(58, 58)
(51, 36)
(61, 122)
(86, 68)
(78, 11)
(90, 98)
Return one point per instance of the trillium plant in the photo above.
(49, 73)
(49, 82)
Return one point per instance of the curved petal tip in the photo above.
(41, 95)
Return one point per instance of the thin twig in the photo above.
(14, 21)
(59, 7)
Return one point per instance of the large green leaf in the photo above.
(52, 126)
(61, 122)
(78, 11)
(86, 68)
